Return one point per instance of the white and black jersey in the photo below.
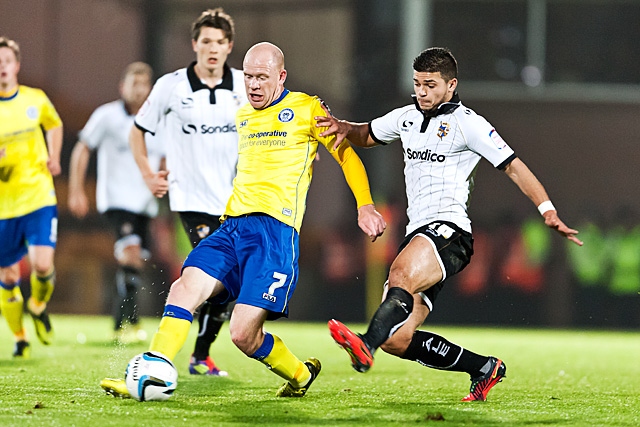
(441, 153)
(197, 126)
(120, 184)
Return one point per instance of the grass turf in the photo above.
(554, 378)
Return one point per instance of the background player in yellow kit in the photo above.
(28, 211)
(253, 257)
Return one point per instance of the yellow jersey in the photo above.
(26, 184)
(276, 149)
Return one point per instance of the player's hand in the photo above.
(551, 220)
(371, 222)
(54, 167)
(335, 127)
(158, 183)
(78, 204)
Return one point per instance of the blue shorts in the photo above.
(38, 228)
(256, 259)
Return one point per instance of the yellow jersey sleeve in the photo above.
(49, 117)
(354, 172)
(26, 184)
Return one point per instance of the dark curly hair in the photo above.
(437, 60)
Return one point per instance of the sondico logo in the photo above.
(191, 129)
(426, 155)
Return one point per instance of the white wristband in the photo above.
(545, 207)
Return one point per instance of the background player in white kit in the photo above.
(443, 142)
(121, 194)
(193, 111)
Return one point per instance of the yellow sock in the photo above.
(42, 287)
(11, 305)
(170, 336)
(282, 362)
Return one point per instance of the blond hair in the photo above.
(11, 44)
(137, 68)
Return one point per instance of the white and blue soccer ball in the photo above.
(151, 376)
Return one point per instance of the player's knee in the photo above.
(10, 276)
(42, 267)
(401, 277)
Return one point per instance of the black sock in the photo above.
(126, 307)
(392, 313)
(434, 351)
(210, 320)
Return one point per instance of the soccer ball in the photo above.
(151, 376)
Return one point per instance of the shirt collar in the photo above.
(9, 97)
(196, 84)
(444, 108)
(284, 93)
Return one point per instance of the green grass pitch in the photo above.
(554, 378)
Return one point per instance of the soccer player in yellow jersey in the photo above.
(253, 257)
(28, 212)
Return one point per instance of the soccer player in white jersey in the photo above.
(121, 194)
(443, 142)
(193, 111)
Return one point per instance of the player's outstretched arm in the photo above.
(533, 189)
(156, 181)
(77, 198)
(356, 133)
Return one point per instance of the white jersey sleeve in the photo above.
(94, 130)
(483, 139)
(387, 128)
(156, 105)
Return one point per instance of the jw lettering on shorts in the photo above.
(268, 297)
(441, 348)
(428, 155)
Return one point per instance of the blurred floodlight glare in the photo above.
(531, 76)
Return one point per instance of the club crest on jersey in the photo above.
(203, 230)
(32, 113)
(443, 130)
(285, 115)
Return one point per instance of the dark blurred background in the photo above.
(559, 79)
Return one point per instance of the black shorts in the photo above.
(129, 228)
(454, 248)
(198, 225)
